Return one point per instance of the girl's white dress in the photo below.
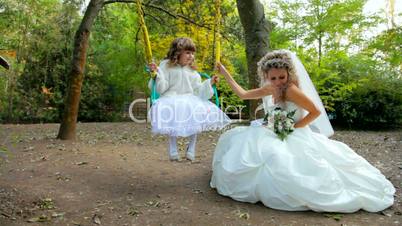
(183, 108)
(306, 171)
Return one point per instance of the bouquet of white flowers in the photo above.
(280, 121)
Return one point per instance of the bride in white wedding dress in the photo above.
(306, 171)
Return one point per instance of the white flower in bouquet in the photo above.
(280, 121)
(270, 122)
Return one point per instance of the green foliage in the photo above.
(358, 93)
(41, 33)
(115, 66)
(375, 103)
(96, 93)
(347, 67)
(357, 76)
(388, 46)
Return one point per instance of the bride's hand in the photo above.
(221, 69)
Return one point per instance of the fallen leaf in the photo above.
(54, 215)
(42, 218)
(197, 191)
(46, 203)
(5, 214)
(336, 217)
(244, 216)
(386, 214)
(153, 203)
(241, 214)
(3, 150)
(30, 148)
(96, 219)
(134, 212)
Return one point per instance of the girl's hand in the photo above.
(214, 80)
(221, 69)
(153, 67)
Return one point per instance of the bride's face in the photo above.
(277, 76)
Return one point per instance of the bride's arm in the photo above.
(294, 94)
(242, 93)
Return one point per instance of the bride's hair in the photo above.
(278, 59)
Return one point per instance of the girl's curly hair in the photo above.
(177, 46)
(278, 59)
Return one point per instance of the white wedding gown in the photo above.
(306, 171)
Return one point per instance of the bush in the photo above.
(375, 103)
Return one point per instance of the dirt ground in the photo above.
(119, 174)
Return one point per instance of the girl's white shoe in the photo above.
(174, 158)
(190, 156)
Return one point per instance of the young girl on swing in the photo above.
(183, 109)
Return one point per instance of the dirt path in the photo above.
(118, 174)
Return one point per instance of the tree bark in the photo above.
(256, 32)
(67, 129)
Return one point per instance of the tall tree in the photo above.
(329, 23)
(390, 12)
(76, 74)
(256, 33)
(288, 27)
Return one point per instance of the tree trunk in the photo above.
(75, 77)
(256, 32)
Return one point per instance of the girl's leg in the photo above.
(173, 154)
(190, 155)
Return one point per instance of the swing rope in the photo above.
(148, 49)
(217, 43)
